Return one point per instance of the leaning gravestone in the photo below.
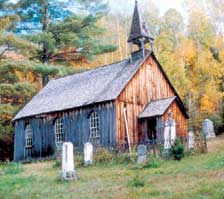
(208, 128)
(68, 167)
(190, 140)
(142, 154)
(88, 154)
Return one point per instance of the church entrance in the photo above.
(148, 130)
(151, 129)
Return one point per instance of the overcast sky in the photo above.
(162, 5)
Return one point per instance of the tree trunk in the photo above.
(45, 25)
(45, 50)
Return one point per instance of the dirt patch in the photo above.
(216, 144)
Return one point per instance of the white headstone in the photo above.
(190, 140)
(169, 134)
(68, 167)
(142, 154)
(88, 154)
(208, 128)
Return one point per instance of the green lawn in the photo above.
(194, 177)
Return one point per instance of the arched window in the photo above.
(28, 136)
(58, 131)
(94, 128)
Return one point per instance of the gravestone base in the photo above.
(211, 135)
(142, 159)
(69, 175)
(166, 153)
(87, 163)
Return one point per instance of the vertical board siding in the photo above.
(181, 124)
(19, 140)
(146, 85)
(76, 130)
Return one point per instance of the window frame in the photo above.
(94, 125)
(28, 136)
(59, 130)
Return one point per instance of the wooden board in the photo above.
(147, 84)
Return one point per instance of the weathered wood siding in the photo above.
(76, 130)
(176, 114)
(147, 84)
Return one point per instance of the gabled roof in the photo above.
(157, 108)
(93, 86)
(138, 27)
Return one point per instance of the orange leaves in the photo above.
(210, 102)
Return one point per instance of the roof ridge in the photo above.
(89, 70)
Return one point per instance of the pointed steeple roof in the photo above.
(138, 28)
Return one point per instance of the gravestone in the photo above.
(88, 154)
(169, 135)
(142, 154)
(208, 128)
(68, 167)
(190, 140)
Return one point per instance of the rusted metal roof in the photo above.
(157, 108)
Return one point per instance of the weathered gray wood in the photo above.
(76, 130)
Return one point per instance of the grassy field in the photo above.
(195, 177)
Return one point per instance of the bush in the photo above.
(124, 158)
(57, 164)
(177, 150)
(137, 181)
(12, 168)
(102, 156)
(154, 162)
(79, 159)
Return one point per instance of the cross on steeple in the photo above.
(139, 34)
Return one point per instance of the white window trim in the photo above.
(94, 124)
(59, 131)
(28, 136)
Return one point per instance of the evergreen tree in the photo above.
(60, 33)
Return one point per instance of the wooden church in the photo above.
(129, 99)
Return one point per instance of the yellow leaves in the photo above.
(5, 23)
(189, 51)
(20, 75)
(219, 42)
(25, 77)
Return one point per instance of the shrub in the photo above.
(57, 164)
(154, 162)
(79, 159)
(177, 150)
(160, 148)
(102, 156)
(124, 158)
(12, 168)
(137, 181)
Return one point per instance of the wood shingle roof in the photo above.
(156, 108)
(93, 86)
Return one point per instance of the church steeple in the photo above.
(139, 34)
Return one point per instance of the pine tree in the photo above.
(61, 34)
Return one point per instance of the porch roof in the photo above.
(156, 108)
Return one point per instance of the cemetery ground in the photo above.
(196, 176)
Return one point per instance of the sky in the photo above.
(162, 5)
